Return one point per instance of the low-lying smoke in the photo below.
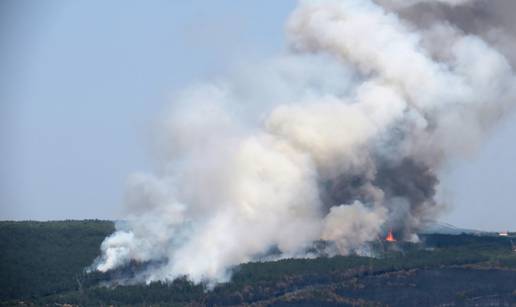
(340, 139)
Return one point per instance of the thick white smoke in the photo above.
(338, 140)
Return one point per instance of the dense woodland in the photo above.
(43, 263)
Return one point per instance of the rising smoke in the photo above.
(339, 139)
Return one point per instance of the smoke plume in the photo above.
(339, 139)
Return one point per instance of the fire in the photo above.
(390, 237)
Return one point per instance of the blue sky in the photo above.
(83, 81)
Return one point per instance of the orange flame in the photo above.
(390, 237)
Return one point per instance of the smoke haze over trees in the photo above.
(42, 263)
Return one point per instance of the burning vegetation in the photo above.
(390, 237)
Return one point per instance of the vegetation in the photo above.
(42, 263)
(42, 258)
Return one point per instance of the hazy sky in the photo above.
(81, 83)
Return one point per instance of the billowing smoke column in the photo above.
(340, 139)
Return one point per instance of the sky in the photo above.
(83, 82)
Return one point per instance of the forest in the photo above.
(43, 264)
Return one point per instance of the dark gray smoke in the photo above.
(492, 20)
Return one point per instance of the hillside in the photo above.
(42, 263)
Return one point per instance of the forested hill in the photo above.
(42, 258)
(42, 263)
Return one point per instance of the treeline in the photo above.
(44, 258)
(43, 263)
